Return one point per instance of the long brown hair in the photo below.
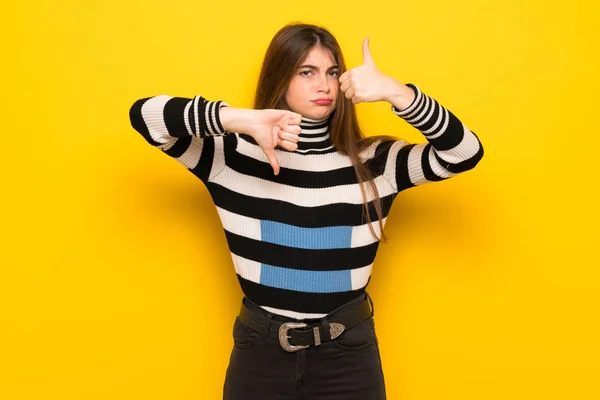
(288, 48)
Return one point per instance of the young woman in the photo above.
(303, 197)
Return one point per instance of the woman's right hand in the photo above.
(274, 127)
(269, 128)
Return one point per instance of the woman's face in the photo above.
(316, 78)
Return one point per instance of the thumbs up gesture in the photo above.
(365, 83)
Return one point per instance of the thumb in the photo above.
(270, 153)
(294, 118)
(367, 58)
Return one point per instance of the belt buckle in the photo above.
(283, 336)
(335, 328)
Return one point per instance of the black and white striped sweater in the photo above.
(299, 243)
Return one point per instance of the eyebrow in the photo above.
(315, 67)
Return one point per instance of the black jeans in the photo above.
(346, 368)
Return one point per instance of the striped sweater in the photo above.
(299, 242)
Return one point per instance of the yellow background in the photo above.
(116, 281)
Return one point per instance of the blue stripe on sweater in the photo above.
(330, 237)
(306, 281)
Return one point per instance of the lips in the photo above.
(322, 102)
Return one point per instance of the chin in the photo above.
(319, 114)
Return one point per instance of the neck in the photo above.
(314, 134)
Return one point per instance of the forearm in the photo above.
(400, 95)
(163, 117)
(237, 119)
(452, 147)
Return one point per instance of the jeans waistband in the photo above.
(352, 303)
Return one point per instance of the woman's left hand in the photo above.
(366, 83)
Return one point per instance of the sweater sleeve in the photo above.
(174, 125)
(451, 149)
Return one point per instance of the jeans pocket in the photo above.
(358, 337)
(244, 336)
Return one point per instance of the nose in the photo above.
(324, 85)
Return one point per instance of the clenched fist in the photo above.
(269, 128)
(275, 127)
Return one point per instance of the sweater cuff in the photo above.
(416, 103)
(212, 121)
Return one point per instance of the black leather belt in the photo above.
(292, 337)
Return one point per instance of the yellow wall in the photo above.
(116, 281)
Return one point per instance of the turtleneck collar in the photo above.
(314, 135)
